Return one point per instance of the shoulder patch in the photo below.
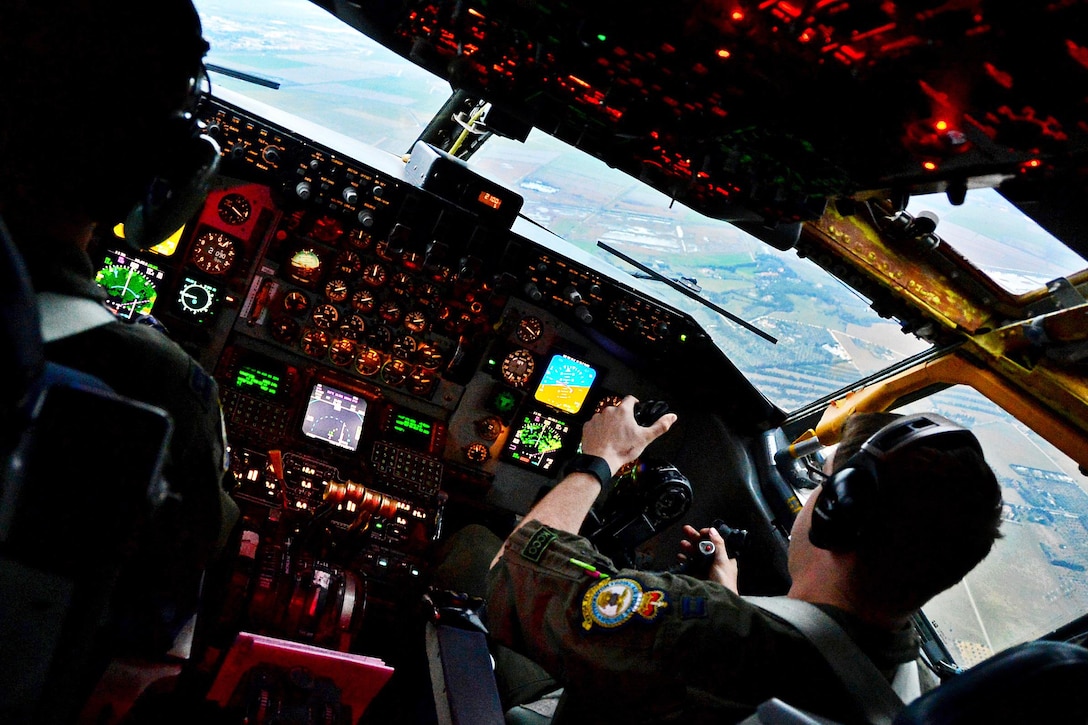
(611, 603)
(534, 548)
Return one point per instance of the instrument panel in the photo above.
(385, 355)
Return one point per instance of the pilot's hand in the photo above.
(723, 569)
(614, 435)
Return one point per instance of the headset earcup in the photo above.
(177, 190)
(838, 514)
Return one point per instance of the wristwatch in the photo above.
(593, 465)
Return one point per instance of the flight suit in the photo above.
(635, 646)
(160, 589)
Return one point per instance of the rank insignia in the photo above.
(612, 602)
(534, 548)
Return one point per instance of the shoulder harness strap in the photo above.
(66, 315)
(871, 690)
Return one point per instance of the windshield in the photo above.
(827, 336)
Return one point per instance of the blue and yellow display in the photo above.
(566, 383)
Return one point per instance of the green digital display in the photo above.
(253, 379)
(406, 424)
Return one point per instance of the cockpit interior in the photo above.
(442, 235)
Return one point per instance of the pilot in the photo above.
(94, 95)
(636, 646)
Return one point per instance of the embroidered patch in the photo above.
(534, 548)
(613, 602)
(693, 608)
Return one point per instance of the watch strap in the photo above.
(593, 465)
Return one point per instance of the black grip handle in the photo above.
(648, 411)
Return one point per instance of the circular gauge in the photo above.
(428, 295)
(374, 274)
(347, 332)
(234, 209)
(284, 330)
(305, 265)
(357, 323)
(348, 263)
(336, 290)
(404, 346)
(379, 337)
(606, 401)
(489, 428)
(342, 351)
(389, 311)
(196, 298)
(395, 371)
(415, 321)
(296, 302)
(412, 260)
(477, 453)
(363, 300)
(326, 229)
(441, 273)
(129, 289)
(429, 357)
(421, 382)
(517, 367)
(325, 316)
(529, 329)
(360, 239)
(368, 362)
(382, 250)
(214, 253)
(401, 283)
(314, 342)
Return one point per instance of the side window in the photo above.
(1036, 577)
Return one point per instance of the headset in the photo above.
(843, 506)
(182, 177)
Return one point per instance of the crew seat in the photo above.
(79, 472)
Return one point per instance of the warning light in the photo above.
(723, 53)
(737, 15)
(941, 125)
(929, 166)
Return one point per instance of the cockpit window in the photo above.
(1013, 250)
(827, 335)
(301, 59)
(306, 62)
(1036, 577)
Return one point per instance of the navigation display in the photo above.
(537, 441)
(132, 284)
(566, 383)
(334, 416)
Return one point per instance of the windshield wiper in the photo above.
(247, 77)
(682, 289)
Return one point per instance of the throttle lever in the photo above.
(702, 556)
(647, 412)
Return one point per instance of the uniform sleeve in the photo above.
(555, 599)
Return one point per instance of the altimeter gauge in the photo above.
(214, 253)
